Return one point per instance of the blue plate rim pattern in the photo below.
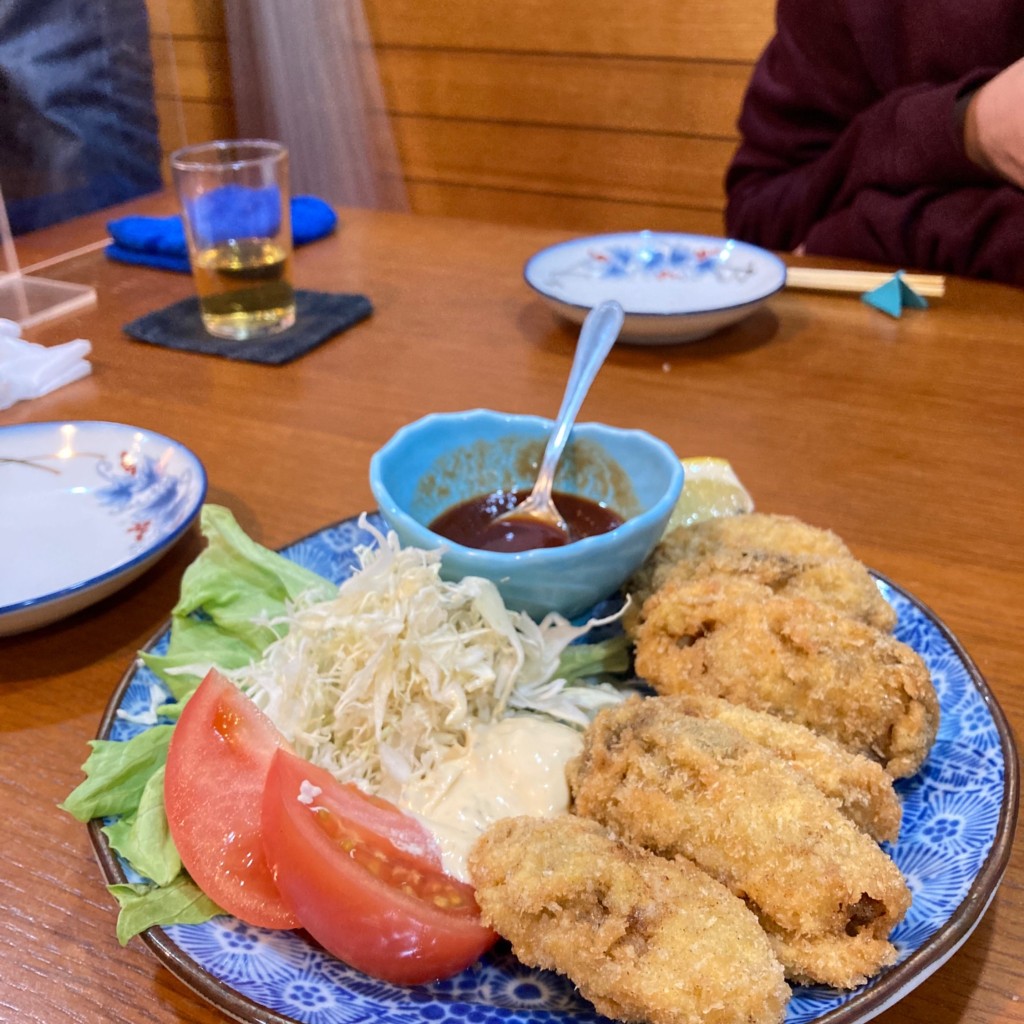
(165, 543)
(857, 1007)
(653, 317)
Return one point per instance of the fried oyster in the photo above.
(826, 894)
(857, 786)
(643, 938)
(731, 637)
(790, 557)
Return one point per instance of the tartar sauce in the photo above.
(513, 767)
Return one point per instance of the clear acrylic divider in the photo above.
(29, 300)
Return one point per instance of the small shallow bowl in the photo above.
(445, 458)
(86, 507)
(673, 287)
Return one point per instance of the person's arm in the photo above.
(994, 125)
(819, 133)
(973, 231)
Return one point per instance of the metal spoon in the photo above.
(600, 329)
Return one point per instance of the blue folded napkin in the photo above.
(160, 241)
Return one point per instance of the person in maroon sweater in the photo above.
(888, 131)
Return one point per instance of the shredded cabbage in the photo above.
(379, 683)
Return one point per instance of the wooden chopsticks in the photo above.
(823, 279)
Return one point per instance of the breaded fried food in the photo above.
(781, 552)
(859, 787)
(643, 938)
(825, 893)
(730, 637)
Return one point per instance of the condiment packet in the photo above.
(29, 371)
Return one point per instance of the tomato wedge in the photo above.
(365, 879)
(217, 766)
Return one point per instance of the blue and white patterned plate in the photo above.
(959, 816)
(672, 287)
(85, 507)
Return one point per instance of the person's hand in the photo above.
(994, 125)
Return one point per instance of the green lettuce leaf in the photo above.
(228, 595)
(603, 657)
(144, 838)
(196, 646)
(237, 583)
(145, 906)
(117, 772)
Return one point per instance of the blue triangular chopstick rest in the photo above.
(892, 295)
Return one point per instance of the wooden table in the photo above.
(905, 436)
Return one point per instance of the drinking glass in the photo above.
(235, 206)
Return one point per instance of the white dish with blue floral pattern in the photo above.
(86, 507)
(673, 287)
(959, 814)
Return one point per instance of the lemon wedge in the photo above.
(710, 488)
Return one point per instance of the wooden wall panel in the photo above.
(192, 75)
(195, 68)
(675, 170)
(693, 29)
(187, 18)
(191, 121)
(689, 97)
(583, 114)
(575, 213)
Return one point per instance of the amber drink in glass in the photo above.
(235, 205)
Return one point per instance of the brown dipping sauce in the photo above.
(472, 522)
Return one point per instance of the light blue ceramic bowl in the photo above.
(445, 458)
